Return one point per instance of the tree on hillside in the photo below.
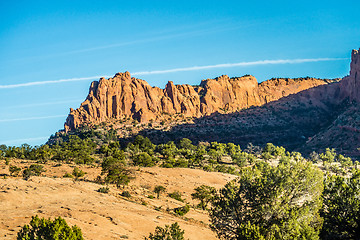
(33, 170)
(143, 159)
(141, 144)
(158, 190)
(328, 156)
(268, 202)
(168, 150)
(186, 144)
(2, 152)
(172, 232)
(41, 228)
(116, 172)
(78, 173)
(205, 194)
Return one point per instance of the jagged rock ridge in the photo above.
(123, 97)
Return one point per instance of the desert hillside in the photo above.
(104, 215)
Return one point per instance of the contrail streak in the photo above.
(31, 118)
(240, 64)
(29, 84)
(43, 104)
(186, 69)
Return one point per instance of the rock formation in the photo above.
(303, 114)
(123, 97)
(325, 116)
(350, 85)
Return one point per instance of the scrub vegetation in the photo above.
(276, 195)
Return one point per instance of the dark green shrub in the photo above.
(181, 211)
(157, 208)
(78, 173)
(176, 195)
(126, 194)
(14, 170)
(33, 170)
(167, 165)
(68, 175)
(208, 168)
(172, 232)
(49, 230)
(104, 190)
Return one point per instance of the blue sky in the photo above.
(78, 41)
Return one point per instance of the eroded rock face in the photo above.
(126, 97)
(350, 85)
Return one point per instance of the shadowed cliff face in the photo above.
(290, 122)
(123, 97)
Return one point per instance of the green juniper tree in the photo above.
(205, 194)
(266, 202)
(158, 190)
(172, 232)
(341, 209)
(46, 229)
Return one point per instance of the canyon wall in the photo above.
(123, 97)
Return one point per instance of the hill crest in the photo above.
(126, 97)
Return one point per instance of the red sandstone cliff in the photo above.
(124, 97)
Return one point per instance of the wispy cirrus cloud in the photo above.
(187, 31)
(185, 69)
(24, 140)
(31, 118)
(29, 84)
(43, 104)
(239, 64)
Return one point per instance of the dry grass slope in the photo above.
(100, 215)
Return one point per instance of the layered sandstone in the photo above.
(123, 97)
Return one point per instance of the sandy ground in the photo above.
(100, 215)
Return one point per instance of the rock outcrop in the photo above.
(303, 114)
(350, 85)
(123, 97)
